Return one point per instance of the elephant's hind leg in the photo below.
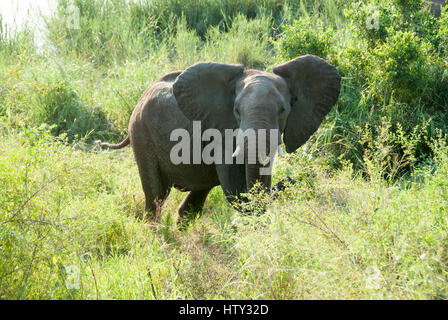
(193, 202)
(154, 199)
(156, 190)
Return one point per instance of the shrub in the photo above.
(375, 21)
(443, 34)
(392, 66)
(402, 68)
(61, 107)
(371, 21)
(305, 36)
(389, 152)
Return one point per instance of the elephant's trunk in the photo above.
(253, 176)
(259, 153)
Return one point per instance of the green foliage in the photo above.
(107, 30)
(246, 42)
(185, 45)
(366, 218)
(392, 56)
(387, 152)
(304, 37)
(61, 107)
(403, 69)
(314, 241)
(443, 34)
(114, 30)
(371, 20)
(409, 7)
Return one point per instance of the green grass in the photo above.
(320, 240)
(367, 218)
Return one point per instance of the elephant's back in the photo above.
(155, 117)
(157, 110)
(170, 77)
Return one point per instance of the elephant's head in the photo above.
(292, 102)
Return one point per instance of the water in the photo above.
(16, 14)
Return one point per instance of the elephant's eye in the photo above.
(282, 109)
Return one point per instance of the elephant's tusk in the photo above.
(280, 151)
(237, 151)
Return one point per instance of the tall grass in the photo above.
(329, 236)
(115, 30)
(13, 42)
(367, 218)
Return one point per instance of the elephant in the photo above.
(291, 101)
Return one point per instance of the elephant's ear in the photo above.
(206, 92)
(314, 86)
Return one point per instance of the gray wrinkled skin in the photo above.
(294, 99)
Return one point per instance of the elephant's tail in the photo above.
(120, 145)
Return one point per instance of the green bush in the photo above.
(305, 37)
(402, 68)
(62, 109)
(393, 66)
(371, 20)
(376, 20)
(443, 34)
(13, 42)
(389, 152)
(405, 68)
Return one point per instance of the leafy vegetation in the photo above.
(367, 219)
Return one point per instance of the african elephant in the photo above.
(292, 101)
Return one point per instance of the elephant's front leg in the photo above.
(239, 202)
(282, 185)
(193, 202)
